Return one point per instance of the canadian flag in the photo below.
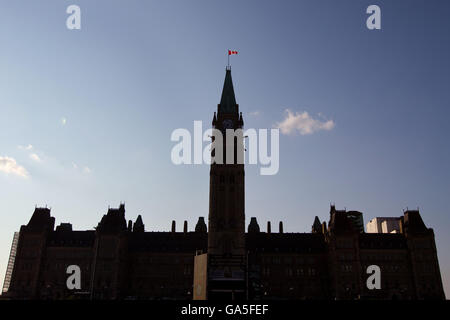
(230, 52)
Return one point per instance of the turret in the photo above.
(317, 226)
(138, 225)
(201, 225)
(253, 227)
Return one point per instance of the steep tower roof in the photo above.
(317, 225)
(114, 220)
(413, 222)
(41, 220)
(139, 225)
(228, 100)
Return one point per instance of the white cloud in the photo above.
(87, 170)
(9, 165)
(28, 147)
(254, 113)
(63, 121)
(35, 157)
(302, 123)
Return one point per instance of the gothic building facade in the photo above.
(120, 260)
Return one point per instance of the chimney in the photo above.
(173, 225)
(401, 225)
(281, 226)
(269, 229)
(185, 227)
(324, 227)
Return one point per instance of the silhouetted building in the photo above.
(120, 260)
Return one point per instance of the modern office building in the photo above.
(9, 268)
(383, 225)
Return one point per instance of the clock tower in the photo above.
(225, 260)
(226, 189)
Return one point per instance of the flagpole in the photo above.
(228, 58)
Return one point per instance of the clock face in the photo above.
(227, 124)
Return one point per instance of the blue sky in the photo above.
(137, 70)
